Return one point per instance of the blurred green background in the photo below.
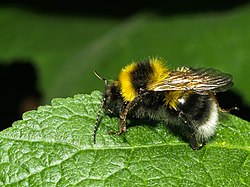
(67, 41)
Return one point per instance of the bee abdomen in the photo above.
(201, 114)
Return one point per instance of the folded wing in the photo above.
(200, 80)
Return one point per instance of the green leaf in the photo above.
(54, 146)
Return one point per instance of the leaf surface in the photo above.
(54, 146)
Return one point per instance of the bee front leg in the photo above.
(123, 116)
(123, 119)
(122, 124)
(124, 113)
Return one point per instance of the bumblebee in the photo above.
(184, 97)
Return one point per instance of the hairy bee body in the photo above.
(183, 98)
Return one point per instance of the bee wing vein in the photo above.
(198, 80)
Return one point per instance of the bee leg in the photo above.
(123, 115)
(192, 138)
(193, 141)
(122, 120)
(189, 132)
(222, 109)
(122, 125)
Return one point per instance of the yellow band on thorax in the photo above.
(127, 90)
(160, 72)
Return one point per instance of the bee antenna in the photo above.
(100, 108)
(101, 78)
(97, 119)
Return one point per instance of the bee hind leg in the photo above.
(196, 145)
(188, 131)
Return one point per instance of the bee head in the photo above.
(112, 100)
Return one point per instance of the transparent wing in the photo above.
(198, 80)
